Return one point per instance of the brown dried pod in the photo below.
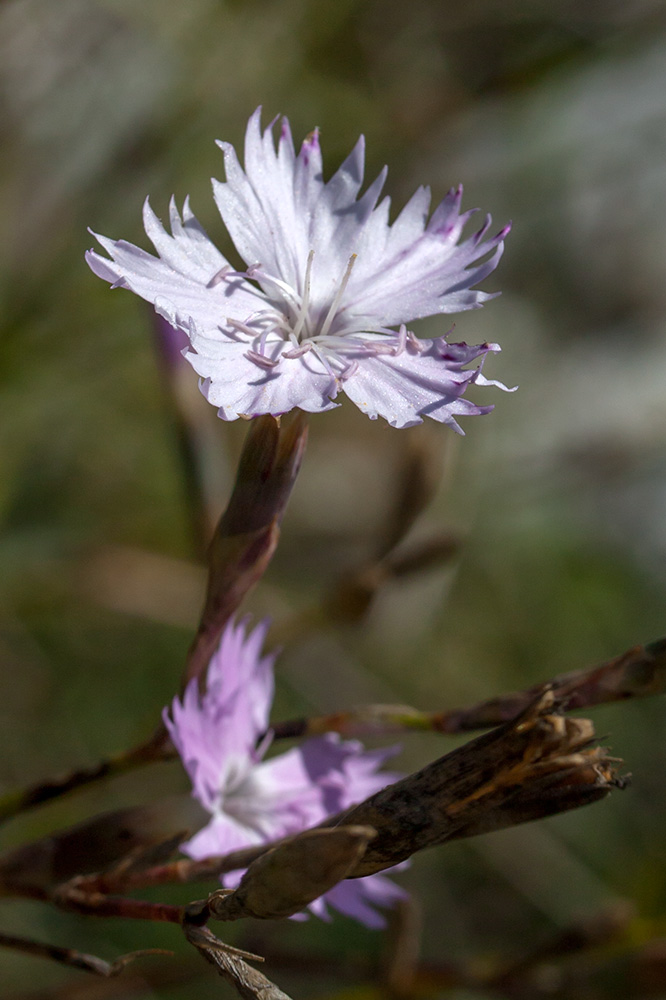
(539, 764)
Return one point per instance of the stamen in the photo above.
(236, 324)
(282, 326)
(321, 355)
(350, 370)
(255, 272)
(299, 351)
(344, 342)
(303, 311)
(262, 342)
(338, 298)
(219, 276)
(261, 359)
(415, 343)
(374, 348)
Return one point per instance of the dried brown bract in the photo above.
(285, 879)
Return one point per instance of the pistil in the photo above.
(305, 302)
(338, 298)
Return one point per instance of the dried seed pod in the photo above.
(537, 765)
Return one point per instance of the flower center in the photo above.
(292, 317)
(297, 320)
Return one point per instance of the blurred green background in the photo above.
(552, 113)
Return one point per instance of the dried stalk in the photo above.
(637, 673)
(76, 897)
(250, 984)
(44, 791)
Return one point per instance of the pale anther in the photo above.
(219, 276)
(260, 359)
(415, 343)
(236, 324)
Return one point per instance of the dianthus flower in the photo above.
(329, 288)
(252, 801)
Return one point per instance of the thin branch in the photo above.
(146, 753)
(74, 896)
(76, 959)
(185, 870)
(638, 673)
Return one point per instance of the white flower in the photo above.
(328, 291)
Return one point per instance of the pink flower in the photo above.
(329, 288)
(251, 800)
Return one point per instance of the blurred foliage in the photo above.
(552, 113)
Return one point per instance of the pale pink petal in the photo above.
(221, 836)
(184, 283)
(358, 897)
(253, 802)
(216, 733)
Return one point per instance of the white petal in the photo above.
(421, 271)
(405, 388)
(240, 387)
(179, 281)
(308, 174)
(259, 206)
(343, 226)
